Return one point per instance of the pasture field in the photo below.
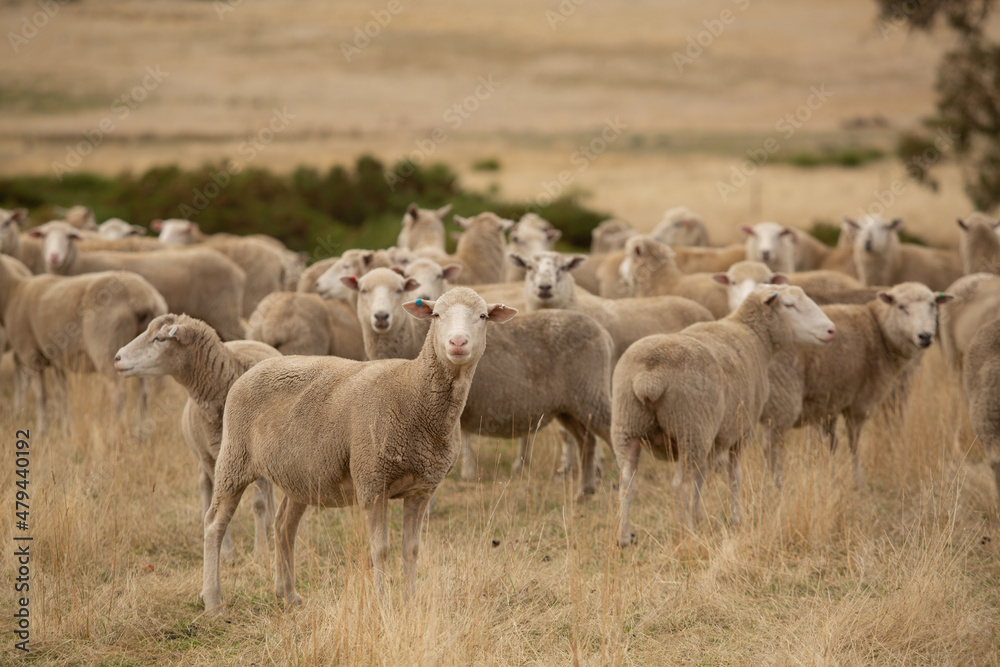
(514, 571)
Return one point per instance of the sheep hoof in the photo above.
(294, 601)
(625, 542)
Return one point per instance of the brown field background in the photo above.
(512, 570)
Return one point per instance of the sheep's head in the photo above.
(159, 350)
(81, 217)
(176, 231)
(422, 226)
(380, 294)
(546, 280)
(908, 314)
(10, 222)
(873, 234)
(804, 322)
(532, 234)
(431, 276)
(681, 226)
(459, 320)
(610, 235)
(353, 262)
(742, 278)
(772, 244)
(488, 224)
(116, 228)
(643, 256)
(57, 237)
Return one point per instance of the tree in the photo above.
(968, 90)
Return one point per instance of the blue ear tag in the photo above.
(420, 303)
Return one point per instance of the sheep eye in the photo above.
(483, 316)
(903, 308)
(435, 315)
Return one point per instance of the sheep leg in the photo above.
(205, 487)
(414, 510)
(995, 465)
(217, 519)
(628, 461)
(688, 480)
(22, 378)
(38, 385)
(831, 433)
(735, 477)
(378, 535)
(286, 525)
(468, 458)
(587, 443)
(774, 441)
(523, 459)
(853, 436)
(263, 515)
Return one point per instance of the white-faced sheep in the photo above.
(977, 303)
(482, 249)
(191, 352)
(529, 235)
(333, 433)
(303, 323)
(423, 231)
(116, 228)
(878, 345)
(981, 381)
(650, 269)
(265, 264)
(21, 247)
(545, 365)
(79, 216)
(979, 245)
(701, 391)
(823, 287)
(681, 226)
(75, 323)
(881, 259)
(197, 281)
(354, 262)
(610, 235)
(784, 249)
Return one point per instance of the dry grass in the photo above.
(515, 572)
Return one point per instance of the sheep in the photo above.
(610, 235)
(882, 260)
(481, 249)
(304, 323)
(333, 433)
(877, 348)
(264, 263)
(20, 246)
(196, 281)
(981, 381)
(701, 391)
(73, 323)
(549, 364)
(353, 262)
(116, 228)
(823, 287)
(20, 374)
(784, 249)
(549, 283)
(191, 352)
(681, 226)
(977, 303)
(94, 243)
(529, 235)
(423, 231)
(80, 217)
(434, 279)
(979, 244)
(650, 269)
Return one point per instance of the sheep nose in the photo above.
(381, 316)
(53, 258)
(545, 288)
(925, 339)
(458, 341)
(868, 246)
(766, 255)
(118, 358)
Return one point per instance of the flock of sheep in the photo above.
(362, 378)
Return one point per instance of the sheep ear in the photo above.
(768, 298)
(943, 297)
(443, 211)
(451, 271)
(518, 261)
(499, 313)
(412, 210)
(851, 223)
(19, 215)
(36, 233)
(721, 278)
(788, 231)
(779, 279)
(506, 225)
(460, 221)
(398, 270)
(410, 285)
(75, 236)
(885, 297)
(420, 308)
(896, 224)
(748, 230)
(156, 225)
(351, 282)
(180, 333)
(367, 258)
(637, 250)
(555, 234)
(962, 224)
(574, 261)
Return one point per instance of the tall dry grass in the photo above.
(514, 571)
